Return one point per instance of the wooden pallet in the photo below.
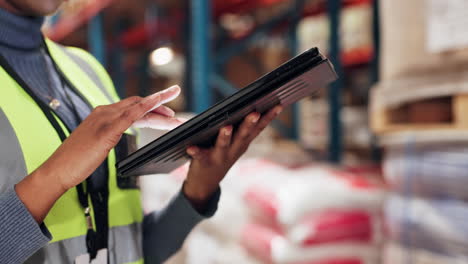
(448, 112)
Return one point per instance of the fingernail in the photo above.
(255, 119)
(227, 131)
(182, 120)
(172, 89)
(192, 151)
(278, 110)
(170, 113)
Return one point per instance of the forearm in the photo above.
(165, 231)
(39, 191)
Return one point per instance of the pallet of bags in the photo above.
(426, 229)
(398, 253)
(316, 216)
(270, 246)
(312, 189)
(436, 170)
(436, 225)
(427, 210)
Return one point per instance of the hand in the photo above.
(91, 142)
(161, 117)
(209, 166)
(88, 146)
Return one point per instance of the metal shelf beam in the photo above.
(96, 40)
(335, 145)
(200, 54)
(294, 49)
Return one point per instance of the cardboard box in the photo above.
(423, 36)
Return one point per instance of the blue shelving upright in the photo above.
(335, 146)
(206, 67)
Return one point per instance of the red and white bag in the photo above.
(313, 190)
(332, 226)
(271, 247)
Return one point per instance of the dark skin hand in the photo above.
(91, 142)
(209, 166)
(88, 146)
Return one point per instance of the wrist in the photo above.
(47, 180)
(198, 195)
(39, 184)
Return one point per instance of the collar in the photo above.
(20, 32)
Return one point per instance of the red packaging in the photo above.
(332, 226)
(271, 247)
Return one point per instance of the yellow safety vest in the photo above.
(33, 140)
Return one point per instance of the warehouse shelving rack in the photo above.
(206, 75)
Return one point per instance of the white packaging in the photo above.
(438, 225)
(316, 189)
(270, 246)
(395, 253)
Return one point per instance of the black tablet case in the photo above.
(301, 76)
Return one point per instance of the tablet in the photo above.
(305, 74)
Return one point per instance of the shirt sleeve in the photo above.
(20, 235)
(165, 231)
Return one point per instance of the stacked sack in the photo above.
(427, 214)
(315, 216)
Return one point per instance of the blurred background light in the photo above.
(161, 56)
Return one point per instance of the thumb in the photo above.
(197, 154)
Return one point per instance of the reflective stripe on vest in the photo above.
(12, 164)
(59, 252)
(86, 62)
(31, 139)
(86, 67)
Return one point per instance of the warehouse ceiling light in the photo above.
(161, 56)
